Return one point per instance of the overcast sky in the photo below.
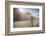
(34, 12)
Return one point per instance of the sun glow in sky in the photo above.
(21, 10)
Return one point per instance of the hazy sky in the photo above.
(34, 11)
